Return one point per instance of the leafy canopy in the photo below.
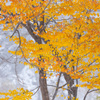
(71, 36)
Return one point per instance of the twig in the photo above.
(36, 91)
(16, 56)
(63, 88)
(34, 88)
(15, 30)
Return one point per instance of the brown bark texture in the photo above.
(71, 90)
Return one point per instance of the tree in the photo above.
(66, 34)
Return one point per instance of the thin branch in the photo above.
(44, 27)
(86, 94)
(63, 88)
(16, 56)
(57, 87)
(16, 29)
(36, 91)
(42, 11)
(89, 92)
(34, 88)
(63, 85)
(93, 90)
(82, 71)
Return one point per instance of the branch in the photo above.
(82, 71)
(34, 88)
(86, 94)
(42, 11)
(93, 90)
(89, 92)
(15, 30)
(34, 36)
(43, 28)
(56, 87)
(63, 88)
(36, 91)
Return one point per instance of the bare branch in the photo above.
(89, 92)
(15, 29)
(36, 91)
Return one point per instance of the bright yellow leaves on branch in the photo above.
(19, 94)
(71, 40)
(25, 10)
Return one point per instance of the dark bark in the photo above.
(34, 36)
(43, 85)
(42, 81)
(71, 90)
(57, 87)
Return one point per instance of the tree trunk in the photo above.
(43, 85)
(42, 81)
(71, 90)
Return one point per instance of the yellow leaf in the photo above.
(36, 71)
(62, 95)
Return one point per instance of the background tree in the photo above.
(66, 39)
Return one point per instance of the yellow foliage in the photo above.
(36, 71)
(19, 94)
(70, 42)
